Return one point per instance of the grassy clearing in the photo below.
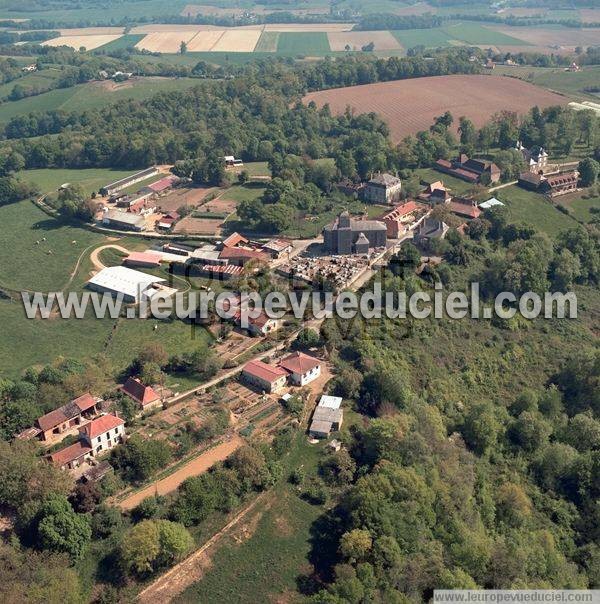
(257, 168)
(91, 179)
(261, 563)
(473, 33)
(42, 79)
(534, 209)
(126, 41)
(240, 193)
(267, 42)
(303, 43)
(92, 95)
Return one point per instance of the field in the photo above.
(534, 209)
(126, 41)
(355, 40)
(408, 110)
(584, 210)
(43, 79)
(430, 38)
(237, 41)
(267, 42)
(548, 36)
(198, 226)
(165, 41)
(261, 560)
(567, 82)
(93, 95)
(473, 33)
(202, 41)
(305, 43)
(91, 179)
(89, 42)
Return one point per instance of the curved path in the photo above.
(94, 256)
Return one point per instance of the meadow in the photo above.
(93, 95)
(48, 180)
(583, 209)
(126, 41)
(303, 43)
(535, 210)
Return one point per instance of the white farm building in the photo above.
(133, 285)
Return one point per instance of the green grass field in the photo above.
(430, 38)
(304, 43)
(126, 41)
(456, 185)
(473, 33)
(92, 96)
(240, 193)
(556, 78)
(91, 179)
(581, 208)
(267, 42)
(257, 168)
(43, 79)
(534, 209)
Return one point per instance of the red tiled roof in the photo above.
(264, 371)
(231, 253)
(101, 425)
(144, 258)
(259, 321)
(137, 391)
(464, 209)
(70, 453)
(444, 163)
(52, 419)
(403, 210)
(562, 179)
(85, 401)
(234, 239)
(298, 362)
(163, 183)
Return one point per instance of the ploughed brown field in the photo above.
(409, 106)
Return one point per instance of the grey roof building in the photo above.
(349, 236)
(383, 188)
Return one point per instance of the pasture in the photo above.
(355, 40)
(473, 33)
(303, 43)
(407, 111)
(535, 210)
(93, 95)
(584, 209)
(126, 41)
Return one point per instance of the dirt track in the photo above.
(411, 105)
(194, 467)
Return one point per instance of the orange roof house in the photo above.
(71, 456)
(302, 368)
(144, 395)
(101, 425)
(269, 378)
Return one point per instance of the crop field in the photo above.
(126, 41)
(203, 40)
(407, 110)
(548, 36)
(165, 41)
(307, 43)
(90, 42)
(473, 33)
(267, 42)
(355, 40)
(430, 38)
(93, 95)
(237, 41)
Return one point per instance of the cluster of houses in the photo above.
(542, 177)
(130, 212)
(98, 430)
(297, 369)
(476, 171)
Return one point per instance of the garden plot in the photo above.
(88, 42)
(355, 40)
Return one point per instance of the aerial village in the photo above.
(348, 252)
